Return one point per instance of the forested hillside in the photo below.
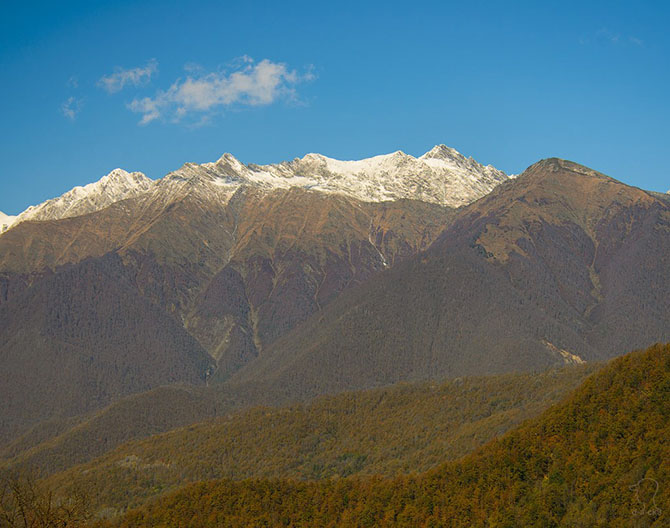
(595, 459)
(85, 302)
(390, 431)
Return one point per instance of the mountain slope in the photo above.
(546, 269)
(82, 337)
(53, 446)
(597, 459)
(236, 271)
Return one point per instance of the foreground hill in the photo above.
(600, 458)
(389, 431)
(562, 264)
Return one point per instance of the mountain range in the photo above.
(227, 307)
(441, 176)
(277, 283)
(228, 256)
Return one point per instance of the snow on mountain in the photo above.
(441, 176)
(115, 186)
(6, 221)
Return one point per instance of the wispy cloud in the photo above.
(115, 82)
(71, 107)
(202, 93)
(607, 36)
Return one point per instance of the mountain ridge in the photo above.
(442, 176)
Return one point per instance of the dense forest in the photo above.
(599, 458)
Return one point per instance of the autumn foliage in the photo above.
(584, 462)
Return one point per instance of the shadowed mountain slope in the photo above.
(230, 272)
(83, 337)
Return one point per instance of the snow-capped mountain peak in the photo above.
(113, 187)
(442, 152)
(6, 221)
(441, 176)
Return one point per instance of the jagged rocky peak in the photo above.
(443, 152)
(442, 176)
(122, 177)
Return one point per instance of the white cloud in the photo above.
(116, 81)
(251, 84)
(71, 107)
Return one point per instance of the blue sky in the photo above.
(90, 86)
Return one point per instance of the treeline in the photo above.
(600, 458)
